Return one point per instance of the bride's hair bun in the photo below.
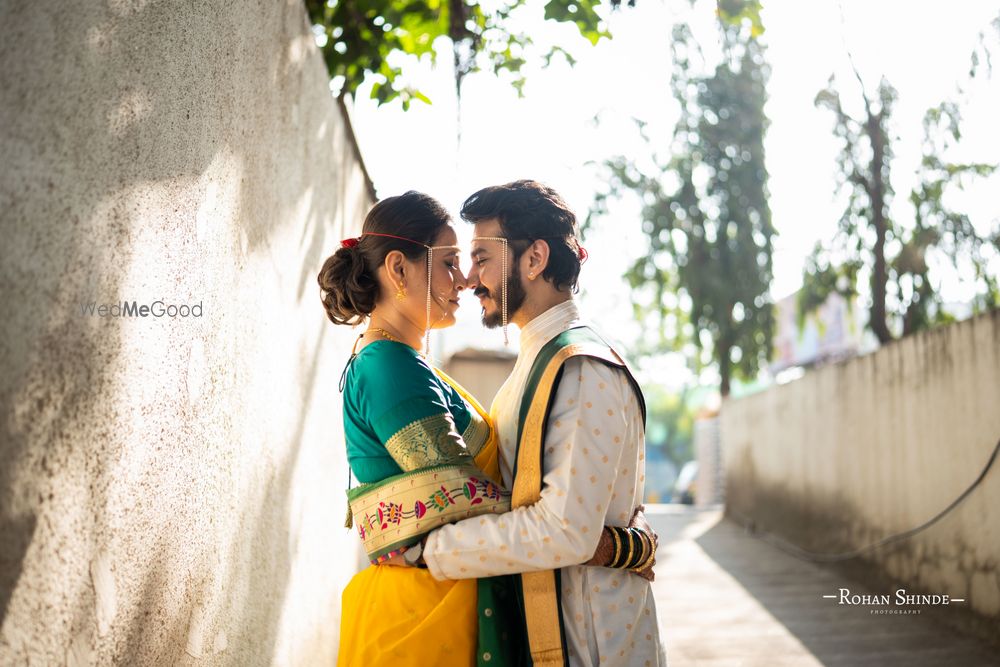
(348, 281)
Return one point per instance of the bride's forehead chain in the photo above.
(353, 242)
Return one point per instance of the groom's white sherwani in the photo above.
(593, 476)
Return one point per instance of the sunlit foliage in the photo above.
(705, 278)
(365, 38)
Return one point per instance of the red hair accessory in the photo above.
(348, 243)
(582, 254)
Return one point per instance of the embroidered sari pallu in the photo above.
(439, 621)
(398, 511)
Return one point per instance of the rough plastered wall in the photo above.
(857, 451)
(171, 488)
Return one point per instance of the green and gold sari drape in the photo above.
(425, 454)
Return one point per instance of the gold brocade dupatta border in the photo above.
(540, 590)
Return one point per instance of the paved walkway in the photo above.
(726, 599)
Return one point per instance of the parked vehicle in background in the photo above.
(685, 487)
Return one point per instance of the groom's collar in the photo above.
(548, 325)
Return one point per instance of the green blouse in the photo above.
(400, 416)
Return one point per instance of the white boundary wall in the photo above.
(856, 451)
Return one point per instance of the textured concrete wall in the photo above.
(171, 488)
(856, 451)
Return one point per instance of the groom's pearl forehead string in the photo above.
(503, 281)
(581, 254)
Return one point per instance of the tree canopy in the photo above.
(359, 38)
(706, 277)
(899, 257)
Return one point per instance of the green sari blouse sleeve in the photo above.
(403, 402)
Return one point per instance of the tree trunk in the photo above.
(876, 192)
(672, 427)
(725, 366)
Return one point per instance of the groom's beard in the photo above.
(515, 299)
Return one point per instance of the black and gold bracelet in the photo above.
(633, 548)
(630, 538)
(650, 556)
(625, 554)
(648, 561)
(639, 549)
(650, 546)
(617, 547)
(643, 549)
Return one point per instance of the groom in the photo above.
(571, 427)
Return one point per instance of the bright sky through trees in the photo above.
(923, 48)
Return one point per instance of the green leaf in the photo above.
(370, 31)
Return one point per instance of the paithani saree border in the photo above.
(397, 511)
(428, 441)
(541, 590)
(477, 433)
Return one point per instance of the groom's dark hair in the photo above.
(529, 211)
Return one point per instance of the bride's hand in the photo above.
(639, 521)
(396, 561)
(605, 546)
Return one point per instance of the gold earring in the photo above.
(531, 275)
(400, 292)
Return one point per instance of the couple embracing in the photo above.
(508, 537)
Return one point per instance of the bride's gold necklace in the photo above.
(382, 332)
(385, 334)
